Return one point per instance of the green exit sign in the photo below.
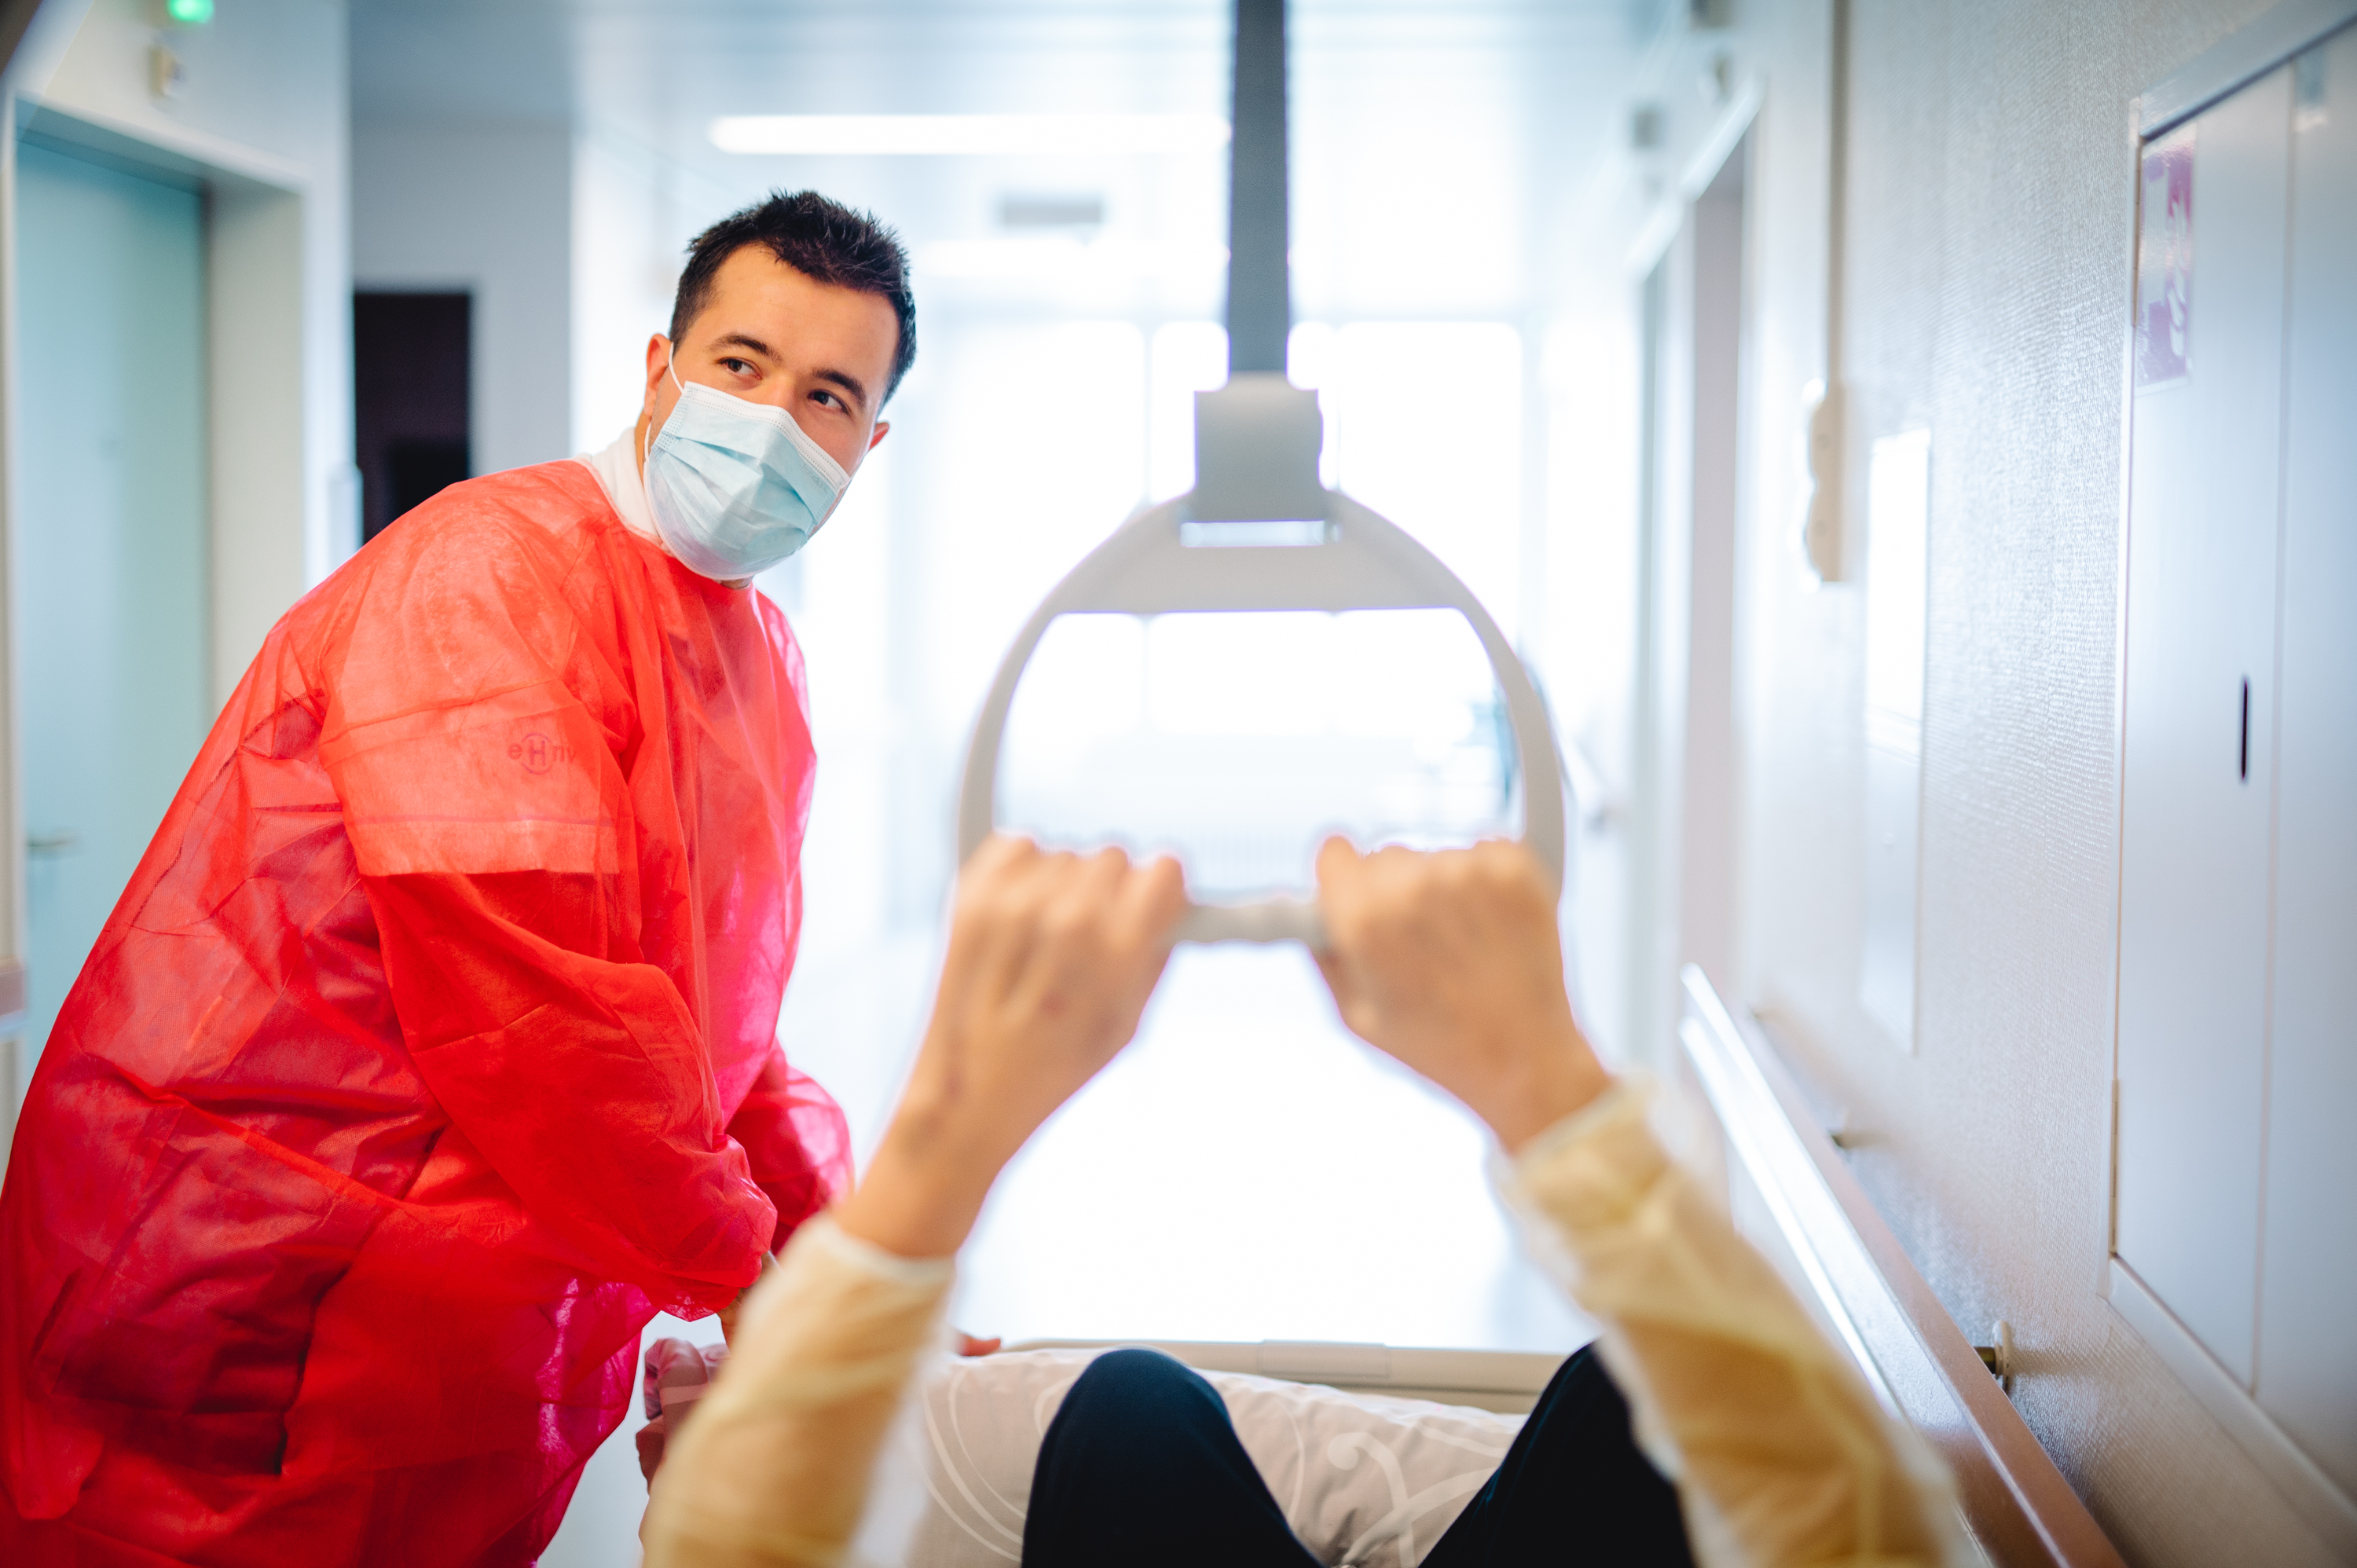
(189, 13)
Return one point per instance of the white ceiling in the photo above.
(1447, 140)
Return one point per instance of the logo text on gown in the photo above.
(538, 753)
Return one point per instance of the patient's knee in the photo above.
(1134, 1383)
(1138, 1411)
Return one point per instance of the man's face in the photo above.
(770, 334)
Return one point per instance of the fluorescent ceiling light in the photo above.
(1062, 259)
(972, 135)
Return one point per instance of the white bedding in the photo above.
(1363, 1479)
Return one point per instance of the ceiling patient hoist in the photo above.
(1256, 446)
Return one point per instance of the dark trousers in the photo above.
(1142, 1468)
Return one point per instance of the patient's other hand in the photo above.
(1051, 959)
(1450, 962)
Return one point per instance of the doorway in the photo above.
(1686, 768)
(112, 589)
(412, 355)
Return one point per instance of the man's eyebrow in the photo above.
(746, 340)
(847, 382)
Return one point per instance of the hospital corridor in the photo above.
(946, 783)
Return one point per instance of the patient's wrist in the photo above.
(907, 1221)
(1546, 1085)
(924, 1188)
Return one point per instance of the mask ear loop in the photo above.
(670, 368)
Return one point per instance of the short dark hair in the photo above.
(819, 239)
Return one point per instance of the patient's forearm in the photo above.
(1774, 1433)
(925, 1186)
(774, 1468)
(1051, 959)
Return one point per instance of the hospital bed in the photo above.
(1506, 1381)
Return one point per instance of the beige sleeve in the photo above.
(1781, 1454)
(774, 1468)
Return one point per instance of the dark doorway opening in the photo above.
(411, 357)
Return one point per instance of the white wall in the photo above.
(487, 209)
(1989, 211)
(261, 117)
(631, 226)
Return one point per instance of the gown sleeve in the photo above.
(797, 1140)
(482, 743)
(578, 1076)
(1781, 1454)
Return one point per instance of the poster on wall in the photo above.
(2164, 314)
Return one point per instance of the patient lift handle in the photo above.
(1251, 445)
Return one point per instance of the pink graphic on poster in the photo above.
(2165, 262)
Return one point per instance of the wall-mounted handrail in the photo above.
(2015, 1501)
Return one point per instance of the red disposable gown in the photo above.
(430, 1051)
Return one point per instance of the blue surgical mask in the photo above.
(737, 487)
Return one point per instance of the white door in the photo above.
(110, 587)
(2200, 694)
(2238, 917)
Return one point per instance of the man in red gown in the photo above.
(430, 1049)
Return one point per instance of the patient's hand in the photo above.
(1051, 959)
(1450, 962)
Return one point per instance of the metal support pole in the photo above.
(1260, 309)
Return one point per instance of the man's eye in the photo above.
(738, 367)
(830, 399)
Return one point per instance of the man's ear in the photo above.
(658, 362)
(883, 428)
